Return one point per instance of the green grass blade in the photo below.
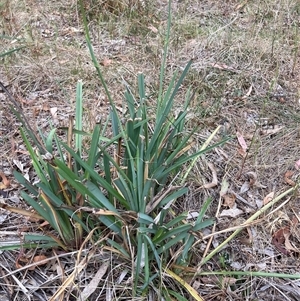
(153, 249)
(37, 237)
(127, 191)
(177, 296)
(186, 250)
(204, 224)
(107, 171)
(93, 151)
(49, 140)
(21, 179)
(145, 219)
(203, 210)
(173, 232)
(140, 177)
(172, 242)
(74, 179)
(36, 162)
(5, 247)
(141, 88)
(138, 267)
(112, 224)
(173, 196)
(177, 220)
(9, 52)
(99, 200)
(78, 117)
(148, 230)
(118, 247)
(44, 209)
(183, 160)
(36, 206)
(178, 84)
(115, 121)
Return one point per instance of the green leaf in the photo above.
(118, 247)
(21, 179)
(148, 230)
(93, 150)
(37, 206)
(78, 117)
(99, 200)
(204, 224)
(5, 247)
(36, 160)
(145, 219)
(172, 242)
(138, 269)
(188, 242)
(177, 220)
(177, 296)
(153, 249)
(159, 234)
(173, 232)
(111, 223)
(49, 141)
(9, 52)
(183, 160)
(76, 183)
(204, 209)
(173, 196)
(126, 190)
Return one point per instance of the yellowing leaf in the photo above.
(190, 289)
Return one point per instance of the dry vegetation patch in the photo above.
(245, 76)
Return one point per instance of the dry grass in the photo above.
(246, 77)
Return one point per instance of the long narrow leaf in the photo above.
(21, 179)
(93, 174)
(78, 118)
(177, 220)
(189, 240)
(178, 230)
(93, 150)
(9, 52)
(153, 249)
(203, 210)
(99, 200)
(36, 206)
(118, 247)
(204, 224)
(172, 242)
(173, 196)
(49, 141)
(183, 160)
(35, 160)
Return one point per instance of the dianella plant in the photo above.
(123, 185)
